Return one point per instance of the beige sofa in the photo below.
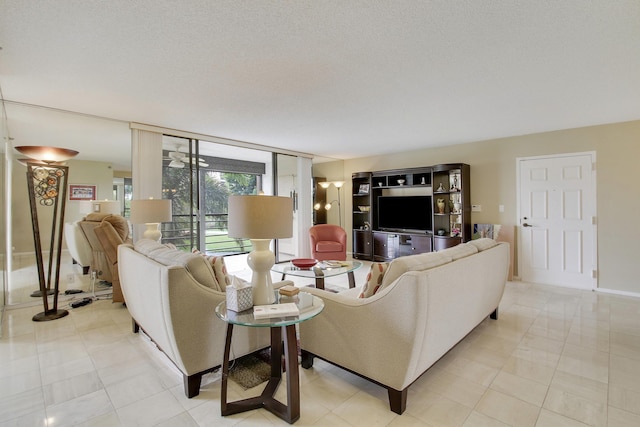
(172, 296)
(426, 304)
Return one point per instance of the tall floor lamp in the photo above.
(47, 181)
(260, 219)
(329, 205)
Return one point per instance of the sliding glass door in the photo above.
(199, 182)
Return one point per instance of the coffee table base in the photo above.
(290, 412)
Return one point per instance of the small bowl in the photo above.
(401, 181)
(304, 262)
(364, 208)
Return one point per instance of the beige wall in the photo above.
(493, 182)
(80, 172)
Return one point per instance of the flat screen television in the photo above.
(405, 213)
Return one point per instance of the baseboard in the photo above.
(617, 292)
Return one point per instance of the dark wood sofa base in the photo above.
(397, 398)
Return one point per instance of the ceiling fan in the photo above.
(177, 159)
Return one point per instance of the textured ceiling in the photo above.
(333, 78)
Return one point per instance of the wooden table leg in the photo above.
(289, 412)
(352, 280)
(225, 370)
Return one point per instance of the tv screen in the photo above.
(405, 213)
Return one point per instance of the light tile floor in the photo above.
(555, 357)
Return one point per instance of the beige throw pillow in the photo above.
(460, 251)
(483, 243)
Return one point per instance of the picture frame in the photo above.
(364, 189)
(82, 192)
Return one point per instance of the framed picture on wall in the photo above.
(82, 192)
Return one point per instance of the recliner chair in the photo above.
(328, 242)
(104, 233)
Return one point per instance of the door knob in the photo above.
(527, 225)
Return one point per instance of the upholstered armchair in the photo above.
(78, 245)
(328, 242)
(104, 233)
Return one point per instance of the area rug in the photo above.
(251, 370)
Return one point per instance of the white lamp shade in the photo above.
(85, 206)
(145, 211)
(260, 217)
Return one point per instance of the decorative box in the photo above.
(239, 298)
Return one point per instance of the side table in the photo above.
(281, 327)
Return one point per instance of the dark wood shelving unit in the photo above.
(449, 182)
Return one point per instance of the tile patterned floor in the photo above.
(555, 357)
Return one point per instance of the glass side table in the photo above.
(319, 272)
(281, 327)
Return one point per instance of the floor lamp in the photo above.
(260, 219)
(329, 205)
(47, 180)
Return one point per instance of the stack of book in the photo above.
(275, 310)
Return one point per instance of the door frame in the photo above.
(594, 223)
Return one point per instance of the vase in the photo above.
(440, 204)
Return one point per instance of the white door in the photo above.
(557, 220)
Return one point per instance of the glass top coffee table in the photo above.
(283, 336)
(319, 272)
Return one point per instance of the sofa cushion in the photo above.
(328, 246)
(374, 279)
(460, 251)
(483, 243)
(198, 266)
(414, 263)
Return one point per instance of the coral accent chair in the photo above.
(328, 242)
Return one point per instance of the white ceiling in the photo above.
(335, 78)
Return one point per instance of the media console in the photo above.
(409, 211)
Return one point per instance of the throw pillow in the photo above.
(374, 279)
(483, 243)
(219, 269)
(460, 251)
(217, 262)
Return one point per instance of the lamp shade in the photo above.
(105, 206)
(146, 211)
(260, 217)
(47, 154)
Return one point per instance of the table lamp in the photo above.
(260, 219)
(151, 212)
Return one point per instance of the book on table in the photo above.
(275, 310)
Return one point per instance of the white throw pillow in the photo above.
(483, 243)
(460, 251)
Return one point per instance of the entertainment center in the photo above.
(409, 211)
